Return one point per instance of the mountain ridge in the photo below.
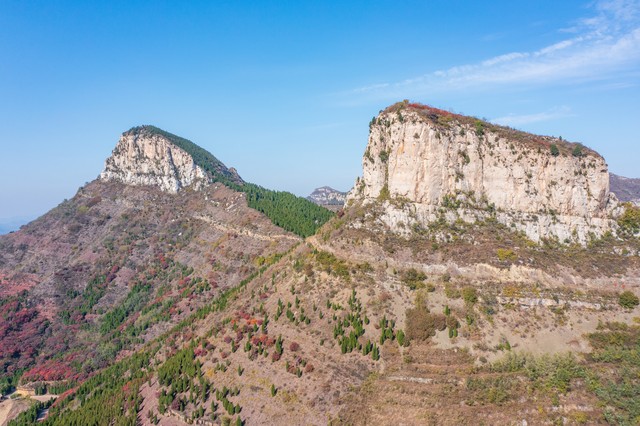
(146, 306)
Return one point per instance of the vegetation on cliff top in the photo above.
(286, 210)
(201, 156)
(444, 119)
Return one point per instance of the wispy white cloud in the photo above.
(493, 37)
(601, 47)
(519, 120)
(324, 126)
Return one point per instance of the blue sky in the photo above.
(284, 91)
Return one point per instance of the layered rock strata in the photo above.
(424, 164)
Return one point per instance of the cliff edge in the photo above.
(146, 155)
(426, 164)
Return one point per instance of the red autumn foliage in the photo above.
(51, 370)
(14, 284)
(64, 396)
(23, 332)
(430, 109)
(200, 351)
(264, 340)
(241, 314)
(111, 275)
(162, 260)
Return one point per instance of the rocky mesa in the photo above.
(427, 164)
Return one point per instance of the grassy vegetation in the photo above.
(610, 373)
(413, 278)
(616, 377)
(422, 324)
(630, 219)
(444, 119)
(628, 300)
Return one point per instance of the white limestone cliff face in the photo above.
(424, 167)
(152, 160)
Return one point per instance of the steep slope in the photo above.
(428, 160)
(626, 189)
(98, 260)
(318, 337)
(130, 255)
(146, 155)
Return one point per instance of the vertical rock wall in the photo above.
(431, 161)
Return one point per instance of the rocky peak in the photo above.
(626, 189)
(327, 196)
(146, 155)
(426, 164)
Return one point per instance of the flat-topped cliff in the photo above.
(428, 163)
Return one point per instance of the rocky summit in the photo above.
(149, 156)
(328, 197)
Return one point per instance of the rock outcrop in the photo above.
(626, 189)
(149, 156)
(327, 196)
(425, 164)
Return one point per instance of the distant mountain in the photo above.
(328, 197)
(626, 189)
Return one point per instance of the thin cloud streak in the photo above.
(524, 119)
(602, 47)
